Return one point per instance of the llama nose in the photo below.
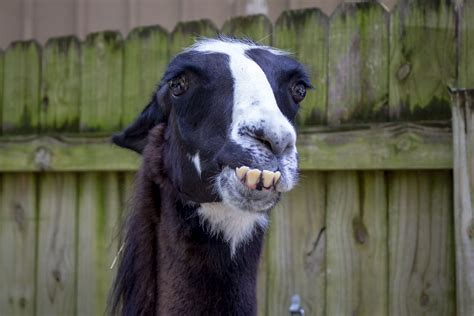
(278, 143)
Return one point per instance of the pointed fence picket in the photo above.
(374, 227)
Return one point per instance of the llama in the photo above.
(218, 147)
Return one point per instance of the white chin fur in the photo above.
(236, 226)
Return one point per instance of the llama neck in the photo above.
(198, 273)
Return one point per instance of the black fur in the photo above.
(170, 264)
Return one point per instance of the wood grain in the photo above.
(356, 244)
(422, 59)
(56, 280)
(145, 60)
(99, 209)
(463, 139)
(421, 269)
(305, 33)
(257, 28)
(358, 64)
(21, 88)
(370, 147)
(1, 85)
(465, 12)
(101, 84)
(296, 248)
(186, 33)
(60, 85)
(18, 243)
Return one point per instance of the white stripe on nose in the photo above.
(255, 106)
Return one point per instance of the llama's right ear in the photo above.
(135, 136)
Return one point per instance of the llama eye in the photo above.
(298, 92)
(178, 85)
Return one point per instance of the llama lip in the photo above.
(257, 179)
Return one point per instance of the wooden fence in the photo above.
(372, 229)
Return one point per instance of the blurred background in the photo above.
(381, 222)
(41, 19)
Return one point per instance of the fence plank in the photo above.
(465, 12)
(305, 32)
(60, 86)
(21, 88)
(1, 86)
(101, 95)
(145, 59)
(421, 269)
(296, 248)
(99, 212)
(55, 291)
(356, 246)
(422, 59)
(358, 63)
(371, 147)
(463, 139)
(185, 33)
(18, 223)
(254, 27)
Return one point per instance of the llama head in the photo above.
(229, 108)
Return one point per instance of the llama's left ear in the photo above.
(135, 136)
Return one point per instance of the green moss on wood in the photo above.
(146, 52)
(1, 86)
(305, 33)
(465, 12)
(422, 60)
(21, 95)
(101, 82)
(185, 34)
(257, 28)
(61, 85)
(358, 64)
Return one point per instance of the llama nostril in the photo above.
(277, 145)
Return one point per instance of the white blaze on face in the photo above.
(253, 95)
(254, 106)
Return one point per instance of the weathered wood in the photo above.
(296, 248)
(101, 92)
(1, 86)
(46, 153)
(56, 261)
(18, 251)
(379, 147)
(421, 268)
(358, 64)
(422, 59)
(370, 147)
(257, 28)
(465, 13)
(463, 143)
(185, 33)
(356, 244)
(61, 85)
(21, 88)
(99, 209)
(145, 59)
(305, 32)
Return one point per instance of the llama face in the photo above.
(229, 108)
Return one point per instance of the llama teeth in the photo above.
(276, 177)
(267, 178)
(252, 177)
(241, 172)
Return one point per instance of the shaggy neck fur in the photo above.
(171, 263)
